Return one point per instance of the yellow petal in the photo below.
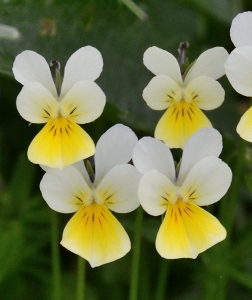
(179, 122)
(60, 143)
(96, 235)
(187, 230)
(244, 127)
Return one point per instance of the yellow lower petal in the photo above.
(244, 127)
(179, 122)
(96, 235)
(60, 143)
(187, 230)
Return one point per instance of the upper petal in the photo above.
(241, 29)
(65, 190)
(205, 142)
(84, 64)
(244, 127)
(209, 63)
(152, 154)
(84, 102)
(238, 69)
(114, 147)
(29, 66)
(161, 62)
(80, 166)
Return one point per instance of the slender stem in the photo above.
(162, 279)
(56, 276)
(81, 270)
(135, 9)
(136, 255)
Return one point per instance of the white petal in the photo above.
(29, 66)
(161, 92)
(161, 62)
(118, 189)
(205, 92)
(65, 190)
(204, 142)
(241, 29)
(152, 154)
(239, 70)
(114, 147)
(84, 64)
(84, 102)
(79, 165)
(209, 63)
(36, 104)
(155, 192)
(207, 182)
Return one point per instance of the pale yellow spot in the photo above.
(244, 127)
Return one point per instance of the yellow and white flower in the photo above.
(202, 179)
(238, 67)
(80, 100)
(183, 97)
(93, 232)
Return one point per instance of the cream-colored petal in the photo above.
(84, 64)
(79, 165)
(207, 182)
(29, 66)
(187, 230)
(60, 143)
(161, 62)
(205, 92)
(152, 154)
(36, 104)
(84, 102)
(118, 189)
(209, 63)
(179, 122)
(161, 92)
(241, 29)
(155, 192)
(238, 69)
(96, 235)
(244, 127)
(65, 190)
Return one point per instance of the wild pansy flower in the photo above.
(79, 99)
(201, 178)
(183, 96)
(238, 67)
(93, 232)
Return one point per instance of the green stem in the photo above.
(56, 276)
(162, 279)
(136, 255)
(135, 9)
(81, 268)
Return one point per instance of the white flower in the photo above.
(202, 179)
(93, 232)
(80, 100)
(183, 97)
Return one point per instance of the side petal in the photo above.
(209, 63)
(205, 92)
(114, 147)
(118, 189)
(96, 235)
(187, 230)
(152, 154)
(161, 92)
(207, 182)
(36, 104)
(29, 66)
(84, 64)
(60, 143)
(239, 70)
(244, 127)
(241, 29)
(155, 192)
(179, 122)
(161, 62)
(84, 102)
(65, 190)
(203, 143)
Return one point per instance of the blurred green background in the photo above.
(56, 29)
